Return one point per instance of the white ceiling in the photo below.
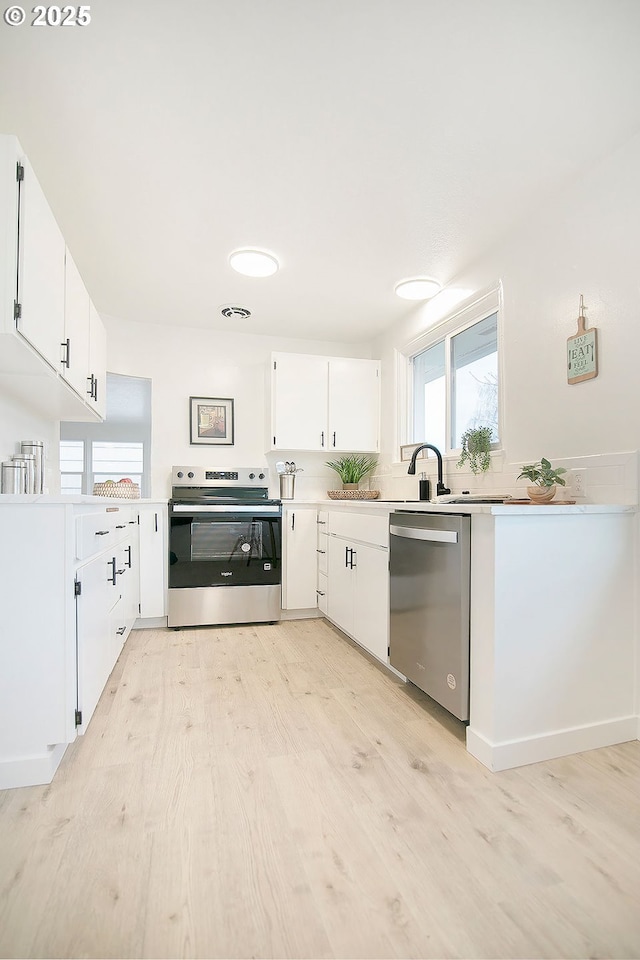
(361, 141)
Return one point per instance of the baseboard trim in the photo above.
(150, 623)
(31, 771)
(563, 743)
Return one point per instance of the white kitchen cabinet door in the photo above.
(93, 640)
(354, 405)
(371, 600)
(340, 585)
(96, 387)
(75, 352)
(153, 560)
(299, 402)
(299, 532)
(41, 271)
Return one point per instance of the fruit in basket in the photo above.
(109, 481)
(125, 480)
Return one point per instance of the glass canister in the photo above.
(13, 477)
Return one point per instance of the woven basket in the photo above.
(353, 494)
(125, 491)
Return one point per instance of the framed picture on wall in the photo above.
(211, 420)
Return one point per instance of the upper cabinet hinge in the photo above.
(17, 311)
(77, 588)
(78, 718)
(275, 364)
(19, 172)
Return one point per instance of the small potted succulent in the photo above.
(544, 479)
(476, 449)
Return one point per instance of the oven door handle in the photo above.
(255, 509)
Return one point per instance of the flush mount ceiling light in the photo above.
(254, 263)
(417, 288)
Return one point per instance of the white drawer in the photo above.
(322, 552)
(99, 531)
(322, 593)
(366, 528)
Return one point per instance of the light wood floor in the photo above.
(269, 791)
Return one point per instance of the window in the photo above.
(455, 380)
(120, 447)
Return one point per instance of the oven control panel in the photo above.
(202, 477)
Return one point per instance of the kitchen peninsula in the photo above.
(552, 646)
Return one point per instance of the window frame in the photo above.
(466, 315)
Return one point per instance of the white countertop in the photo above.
(44, 499)
(495, 509)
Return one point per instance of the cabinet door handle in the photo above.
(67, 352)
(121, 630)
(320, 551)
(156, 521)
(320, 593)
(101, 533)
(128, 550)
(334, 438)
(293, 521)
(322, 439)
(322, 522)
(346, 556)
(112, 564)
(120, 526)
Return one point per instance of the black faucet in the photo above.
(440, 487)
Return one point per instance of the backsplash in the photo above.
(608, 478)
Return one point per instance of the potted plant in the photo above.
(476, 447)
(543, 478)
(351, 468)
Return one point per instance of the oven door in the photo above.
(224, 547)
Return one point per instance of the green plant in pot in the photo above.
(544, 479)
(476, 449)
(352, 468)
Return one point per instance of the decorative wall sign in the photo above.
(211, 420)
(582, 351)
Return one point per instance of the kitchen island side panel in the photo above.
(562, 651)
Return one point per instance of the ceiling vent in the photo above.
(242, 312)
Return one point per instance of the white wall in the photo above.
(183, 362)
(16, 424)
(584, 240)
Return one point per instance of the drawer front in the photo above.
(101, 531)
(322, 593)
(358, 526)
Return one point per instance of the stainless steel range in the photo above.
(225, 547)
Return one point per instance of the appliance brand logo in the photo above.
(226, 573)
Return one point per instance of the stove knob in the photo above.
(191, 474)
(261, 476)
(180, 474)
(252, 476)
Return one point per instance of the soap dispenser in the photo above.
(424, 487)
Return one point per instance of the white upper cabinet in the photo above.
(96, 384)
(75, 346)
(299, 402)
(324, 403)
(354, 404)
(44, 306)
(41, 280)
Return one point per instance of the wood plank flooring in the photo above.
(270, 791)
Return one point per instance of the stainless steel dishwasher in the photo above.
(430, 574)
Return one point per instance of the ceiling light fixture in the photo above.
(254, 263)
(417, 288)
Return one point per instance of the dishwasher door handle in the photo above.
(420, 533)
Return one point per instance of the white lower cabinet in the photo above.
(152, 545)
(358, 582)
(71, 592)
(299, 548)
